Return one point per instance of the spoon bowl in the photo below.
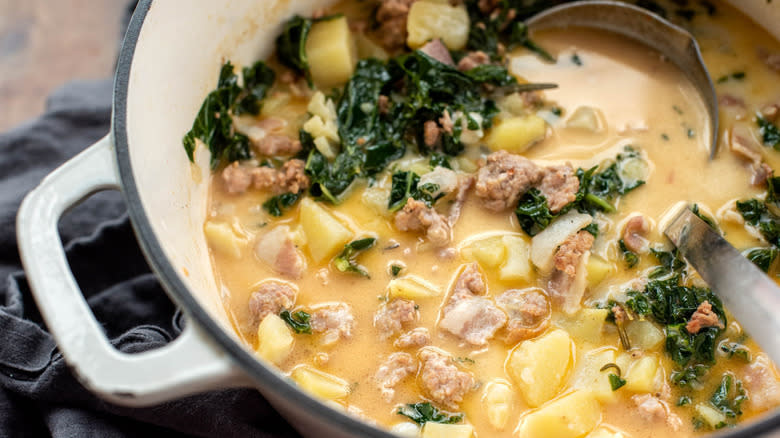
(672, 41)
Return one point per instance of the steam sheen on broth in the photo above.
(614, 98)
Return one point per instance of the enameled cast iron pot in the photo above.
(168, 63)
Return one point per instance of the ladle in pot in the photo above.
(674, 42)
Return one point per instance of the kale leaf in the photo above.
(671, 265)
(298, 321)
(736, 349)
(405, 185)
(533, 213)
(214, 123)
(762, 257)
(345, 261)
(630, 257)
(616, 382)
(425, 412)
(770, 133)
(689, 376)
(729, 396)
(758, 215)
(276, 205)
(291, 44)
(708, 220)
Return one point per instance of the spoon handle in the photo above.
(749, 294)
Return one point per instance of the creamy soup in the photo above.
(438, 241)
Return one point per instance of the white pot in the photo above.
(169, 62)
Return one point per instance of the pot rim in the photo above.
(263, 376)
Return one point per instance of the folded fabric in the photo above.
(38, 394)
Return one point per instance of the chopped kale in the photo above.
(757, 214)
(762, 257)
(405, 186)
(439, 160)
(708, 220)
(276, 205)
(736, 349)
(519, 38)
(689, 376)
(616, 382)
(298, 321)
(737, 76)
(395, 270)
(345, 261)
(576, 60)
(729, 396)
(533, 212)
(631, 258)
(670, 263)
(593, 229)
(214, 123)
(291, 43)
(425, 412)
(770, 133)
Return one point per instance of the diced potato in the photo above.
(489, 252)
(331, 52)
(641, 376)
(322, 106)
(603, 432)
(466, 165)
(518, 260)
(321, 384)
(587, 325)
(571, 416)
(538, 366)
(439, 430)
(431, 19)
(516, 134)
(624, 361)
(406, 430)
(710, 415)
(367, 48)
(274, 340)
(324, 233)
(224, 238)
(588, 374)
(376, 199)
(497, 400)
(644, 335)
(544, 244)
(412, 287)
(598, 269)
(512, 104)
(585, 118)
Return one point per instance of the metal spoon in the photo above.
(647, 28)
(751, 296)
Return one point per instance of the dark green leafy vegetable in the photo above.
(345, 261)
(576, 60)
(592, 228)
(736, 349)
(395, 270)
(519, 37)
(291, 43)
(214, 124)
(690, 376)
(762, 257)
(704, 217)
(670, 263)
(631, 258)
(729, 396)
(405, 186)
(422, 413)
(533, 212)
(737, 76)
(439, 160)
(276, 205)
(758, 215)
(616, 382)
(298, 321)
(770, 133)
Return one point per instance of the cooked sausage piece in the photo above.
(270, 298)
(441, 379)
(472, 318)
(272, 145)
(473, 60)
(653, 409)
(334, 320)
(290, 178)
(559, 185)
(634, 233)
(416, 338)
(703, 317)
(504, 179)
(569, 253)
(529, 313)
(416, 216)
(438, 51)
(392, 371)
(393, 316)
(391, 17)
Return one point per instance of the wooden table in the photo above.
(45, 43)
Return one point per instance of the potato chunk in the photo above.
(497, 400)
(412, 287)
(641, 375)
(516, 134)
(571, 416)
(274, 340)
(518, 260)
(644, 335)
(331, 52)
(324, 233)
(321, 384)
(489, 252)
(710, 415)
(431, 19)
(598, 270)
(223, 238)
(587, 325)
(588, 374)
(438, 430)
(538, 366)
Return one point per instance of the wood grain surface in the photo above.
(45, 43)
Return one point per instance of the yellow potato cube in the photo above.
(586, 118)
(587, 325)
(223, 238)
(497, 400)
(412, 287)
(641, 375)
(571, 416)
(539, 366)
(321, 384)
(710, 415)
(439, 430)
(518, 260)
(274, 340)
(324, 233)
(430, 19)
(644, 335)
(588, 374)
(489, 252)
(598, 269)
(516, 134)
(331, 52)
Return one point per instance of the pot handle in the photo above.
(189, 364)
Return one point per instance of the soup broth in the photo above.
(391, 329)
